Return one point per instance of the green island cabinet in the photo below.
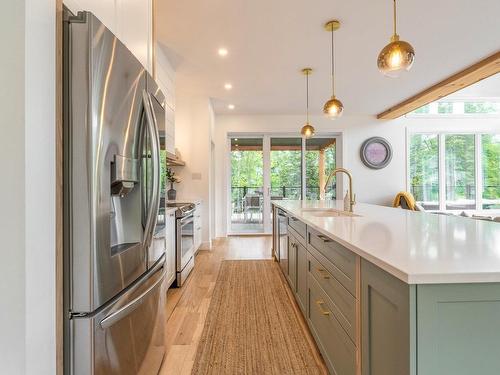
(367, 322)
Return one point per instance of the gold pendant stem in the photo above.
(394, 6)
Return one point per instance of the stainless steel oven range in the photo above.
(184, 240)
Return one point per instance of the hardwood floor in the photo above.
(187, 307)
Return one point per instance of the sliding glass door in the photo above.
(277, 167)
(247, 185)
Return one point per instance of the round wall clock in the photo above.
(376, 153)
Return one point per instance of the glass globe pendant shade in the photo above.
(307, 130)
(333, 108)
(395, 58)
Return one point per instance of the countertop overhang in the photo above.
(415, 247)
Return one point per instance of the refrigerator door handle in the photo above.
(155, 150)
(111, 319)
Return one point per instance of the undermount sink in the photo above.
(327, 212)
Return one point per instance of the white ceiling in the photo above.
(269, 41)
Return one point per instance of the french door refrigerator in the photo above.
(113, 267)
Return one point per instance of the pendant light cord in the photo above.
(394, 7)
(333, 66)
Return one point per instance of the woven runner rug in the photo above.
(252, 326)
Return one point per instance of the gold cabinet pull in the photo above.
(324, 238)
(320, 304)
(323, 273)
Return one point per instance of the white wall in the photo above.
(27, 218)
(12, 195)
(40, 189)
(193, 123)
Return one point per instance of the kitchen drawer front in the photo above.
(343, 303)
(298, 226)
(342, 262)
(337, 348)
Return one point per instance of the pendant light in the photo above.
(333, 108)
(307, 130)
(397, 57)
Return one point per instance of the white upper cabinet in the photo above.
(165, 76)
(130, 20)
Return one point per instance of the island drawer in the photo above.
(339, 261)
(338, 350)
(298, 226)
(343, 303)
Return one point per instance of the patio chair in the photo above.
(252, 204)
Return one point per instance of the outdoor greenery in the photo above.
(460, 168)
(286, 170)
(491, 167)
(424, 170)
(312, 173)
(481, 107)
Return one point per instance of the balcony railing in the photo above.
(241, 196)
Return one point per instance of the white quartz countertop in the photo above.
(416, 247)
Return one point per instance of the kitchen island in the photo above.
(393, 292)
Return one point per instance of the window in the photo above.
(459, 107)
(424, 170)
(455, 171)
(422, 110)
(460, 172)
(481, 107)
(445, 107)
(490, 145)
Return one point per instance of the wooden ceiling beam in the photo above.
(475, 73)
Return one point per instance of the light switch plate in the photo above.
(196, 176)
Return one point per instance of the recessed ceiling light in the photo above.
(223, 52)
(236, 139)
(228, 86)
(230, 106)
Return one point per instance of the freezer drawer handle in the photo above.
(129, 308)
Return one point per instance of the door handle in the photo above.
(324, 238)
(155, 203)
(320, 304)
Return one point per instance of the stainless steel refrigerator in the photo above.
(114, 254)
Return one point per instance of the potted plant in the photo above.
(172, 178)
